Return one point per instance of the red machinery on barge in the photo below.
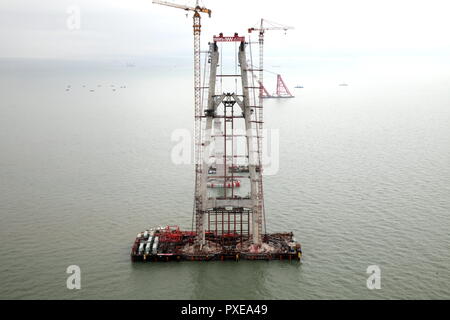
(172, 244)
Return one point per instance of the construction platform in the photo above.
(171, 244)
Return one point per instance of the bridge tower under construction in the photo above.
(230, 116)
(228, 218)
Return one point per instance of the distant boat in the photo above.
(299, 87)
(343, 85)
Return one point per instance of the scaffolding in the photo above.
(226, 118)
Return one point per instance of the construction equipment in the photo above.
(197, 8)
(228, 220)
(262, 29)
(197, 95)
(282, 90)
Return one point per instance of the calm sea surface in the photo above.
(363, 179)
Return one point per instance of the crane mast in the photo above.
(260, 115)
(262, 28)
(198, 198)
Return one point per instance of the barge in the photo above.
(169, 243)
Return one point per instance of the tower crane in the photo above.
(198, 108)
(265, 25)
(197, 26)
(262, 29)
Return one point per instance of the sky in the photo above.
(324, 30)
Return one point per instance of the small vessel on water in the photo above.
(343, 85)
(298, 87)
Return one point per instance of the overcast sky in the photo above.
(324, 29)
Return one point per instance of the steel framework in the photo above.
(223, 113)
(228, 223)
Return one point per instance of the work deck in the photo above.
(171, 244)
